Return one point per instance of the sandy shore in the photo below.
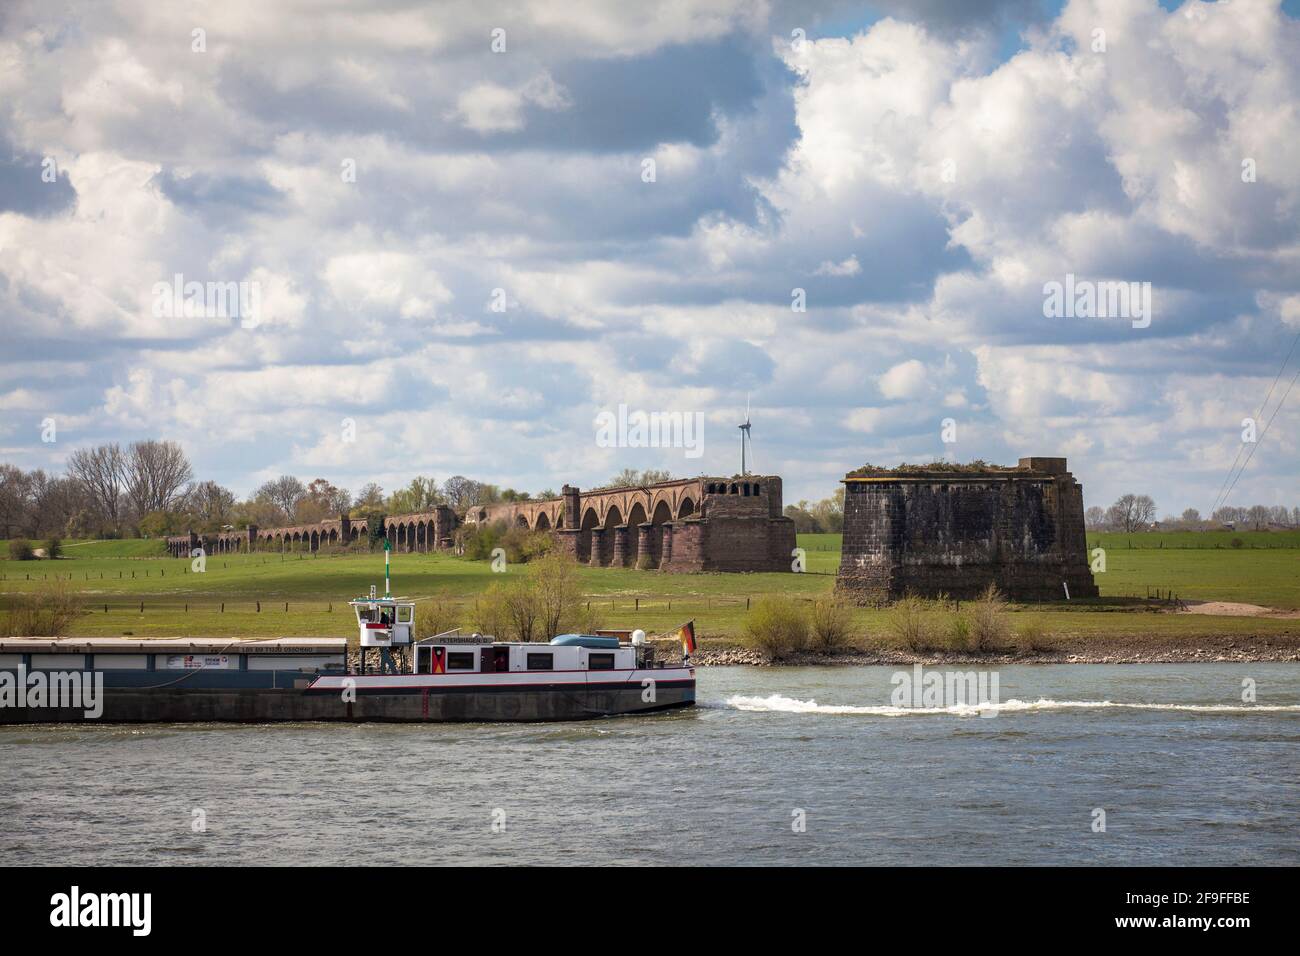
(1234, 609)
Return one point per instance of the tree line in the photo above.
(149, 489)
(826, 515)
(1132, 512)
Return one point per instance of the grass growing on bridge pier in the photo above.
(246, 595)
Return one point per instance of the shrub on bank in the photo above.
(54, 549)
(538, 604)
(46, 612)
(434, 617)
(959, 633)
(989, 627)
(1030, 636)
(777, 626)
(830, 623)
(908, 621)
(20, 549)
(519, 544)
(490, 616)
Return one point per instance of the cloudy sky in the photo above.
(457, 248)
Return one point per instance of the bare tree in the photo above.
(321, 500)
(1229, 515)
(1131, 512)
(55, 503)
(1094, 518)
(1257, 515)
(370, 496)
(554, 582)
(15, 498)
(212, 504)
(285, 493)
(101, 472)
(156, 472)
(460, 492)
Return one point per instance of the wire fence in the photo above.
(176, 566)
(281, 607)
(687, 607)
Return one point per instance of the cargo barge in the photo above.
(447, 677)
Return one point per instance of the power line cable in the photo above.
(1277, 409)
(1221, 498)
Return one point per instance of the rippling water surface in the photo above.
(1186, 774)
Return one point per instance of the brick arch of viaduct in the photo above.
(666, 501)
(423, 531)
(690, 524)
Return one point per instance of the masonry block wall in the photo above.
(936, 532)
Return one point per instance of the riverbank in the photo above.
(1092, 649)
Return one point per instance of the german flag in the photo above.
(686, 634)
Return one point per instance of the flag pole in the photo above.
(387, 548)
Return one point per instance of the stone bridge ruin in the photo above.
(953, 530)
(690, 524)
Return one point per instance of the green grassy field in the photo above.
(1258, 573)
(1195, 540)
(247, 595)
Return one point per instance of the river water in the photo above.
(776, 766)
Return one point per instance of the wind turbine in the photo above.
(744, 436)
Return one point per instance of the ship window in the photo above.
(404, 614)
(541, 662)
(600, 662)
(460, 661)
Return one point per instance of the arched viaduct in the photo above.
(422, 531)
(691, 524)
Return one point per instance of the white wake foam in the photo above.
(776, 703)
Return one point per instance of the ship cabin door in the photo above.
(495, 660)
(423, 659)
